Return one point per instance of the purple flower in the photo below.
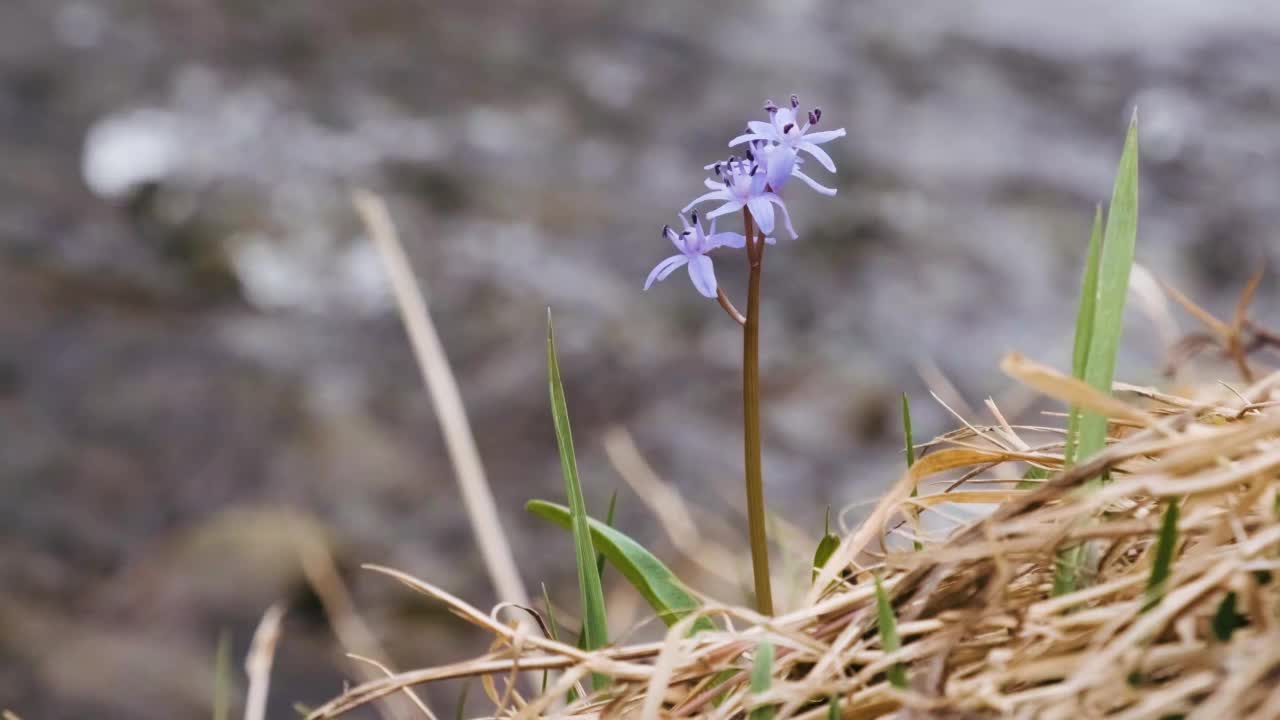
(694, 244)
(783, 136)
(744, 183)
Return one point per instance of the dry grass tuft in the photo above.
(981, 634)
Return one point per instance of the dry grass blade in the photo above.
(257, 665)
(351, 631)
(979, 633)
(408, 691)
(668, 507)
(446, 400)
(1070, 390)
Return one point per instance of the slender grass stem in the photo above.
(751, 419)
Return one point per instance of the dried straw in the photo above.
(982, 634)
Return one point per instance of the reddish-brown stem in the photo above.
(729, 308)
(752, 448)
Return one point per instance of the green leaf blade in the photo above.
(906, 431)
(911, 454)
(594, 624)
(1114, 265)
(645, 572)
(608, 520)
(762, 678)
(1084, 328)
(1226, 619)
(887, 626)
(1162, 566)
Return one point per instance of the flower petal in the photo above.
(763, 128)
(786, 216)
(703, 275)
(820, 154)
(779, 161)
(726, 239)
(664, 268)
(817, 138)
(762, 211)
(823, 189)
(721, 194)
(725, 209)
(748, 137)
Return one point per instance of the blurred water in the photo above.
(193, 324)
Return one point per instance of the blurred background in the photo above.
(200, 360)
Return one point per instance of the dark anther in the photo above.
(817, 115)
(795, 101)
(717, 169)
(694, 217)
(787, 128)
(770, 107)
(813, 118)
(666, 231)
(750, 155)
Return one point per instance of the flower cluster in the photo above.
(755, 182)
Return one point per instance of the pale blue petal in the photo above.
(814, 183)
(748, 137)
(786, 216)
(763, 128)
(817, 138)
(703, 275)
(823, 136)
(771, 240)
(725, 209)
(762, 211)
(820, 154)
(780, 161)
(727, 239)
(664, 268)
(721, 194)
(714, 184)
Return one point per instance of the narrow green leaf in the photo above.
(1226, 620)
(551, 615)
(222, 677)
(657, 584)
(826, 546)
(608, 520)
(887, 626)
(911, 454)
(906, 431)
(551, 627)
(1114, 264)
(762, 678)
(1087, 431)
(461, 707)
(1084, 327)
(594, 626)
(1030, 477)
(1066, 570)
(1162, 566)
(833, 708)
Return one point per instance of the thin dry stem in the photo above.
(257, 664)
(446, 400)
(982, 636)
